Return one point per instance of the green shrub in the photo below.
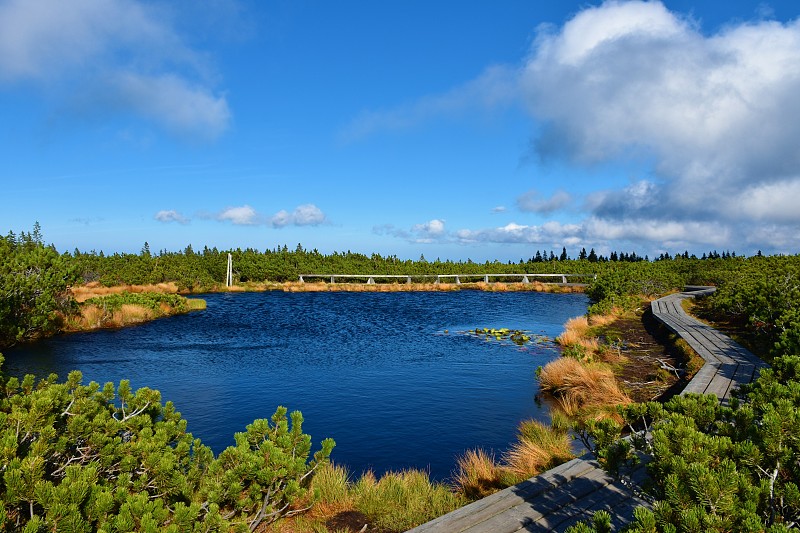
(87, 458)
(720, 468)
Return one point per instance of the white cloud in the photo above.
(425, 233)
(771, 202)
(120, 56)
(280, 219)
(303, 215)
(433, 228)
(714, 112)
(308, 215)
(550, 233)
(499, 209)
(178, 105)
(717, 114)
(533, 202)
(167, 216)
(241, 216)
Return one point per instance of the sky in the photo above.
(453, 129)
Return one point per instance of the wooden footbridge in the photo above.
(573, 491)
(445, 278)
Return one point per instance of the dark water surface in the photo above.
(375, 371)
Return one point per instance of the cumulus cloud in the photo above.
(122, 56)
(549, 233)
(717, 114)
(167, 216)
(241, 216)
(533, 202)
(425, 233)
(245, 215)
(303, 215)
(433, 228)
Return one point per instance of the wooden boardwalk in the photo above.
(573, 491)
(727, 363)
(370, 279)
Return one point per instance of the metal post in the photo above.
(229, 274)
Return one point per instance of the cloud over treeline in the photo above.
(245, 215)
(714, 116)
(112, 57)
(717, 114)
(431, 231)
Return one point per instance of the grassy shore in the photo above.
(98, 307)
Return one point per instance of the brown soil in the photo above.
(348, 521)
(647, 360)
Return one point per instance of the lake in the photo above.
(390, 376)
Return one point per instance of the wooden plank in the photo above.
(546, 504)
(616, 500)
(499, 502)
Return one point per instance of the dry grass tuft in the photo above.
(580, 386)
(576, 334)
(479, 475)
(604, 320)
(91, 317)
(538, 448)
(133, 314)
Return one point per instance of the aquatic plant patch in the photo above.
(519, 337)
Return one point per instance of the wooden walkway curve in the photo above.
(573, 491)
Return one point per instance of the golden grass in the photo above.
(531, 457)
(95, 317)
(576, 335)
(94, 289)
(478, 474)
(604, 320)
(132, 314)
(581, 387)
(90, 317)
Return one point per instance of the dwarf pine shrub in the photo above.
(89, 458)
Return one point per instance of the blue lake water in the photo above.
(387, 375)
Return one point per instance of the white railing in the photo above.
(439, 278)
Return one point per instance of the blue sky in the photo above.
(453, 129)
